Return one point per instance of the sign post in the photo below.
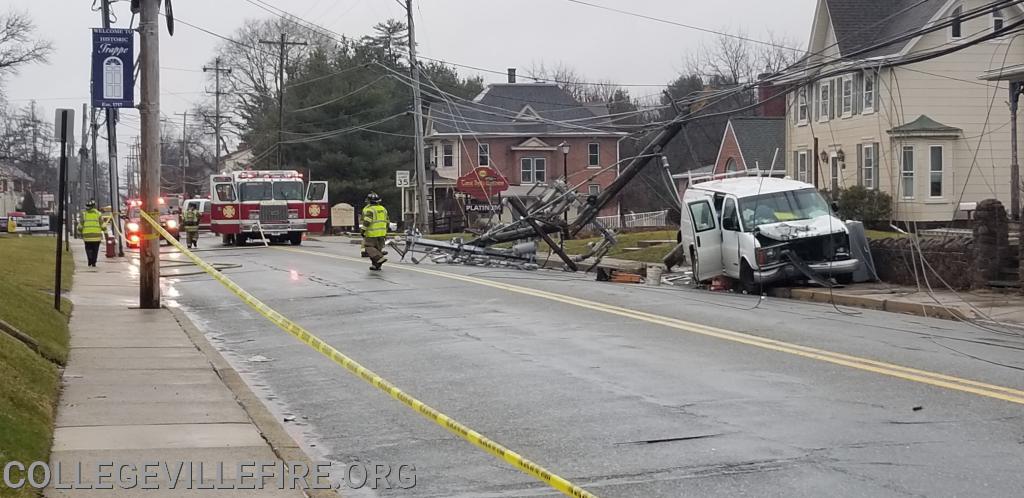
(65, 124)
(402, 182)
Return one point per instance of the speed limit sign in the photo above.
(402, 179)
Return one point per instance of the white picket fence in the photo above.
(633, 220)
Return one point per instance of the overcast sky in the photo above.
(492, 34)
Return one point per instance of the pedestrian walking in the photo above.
(191, 221)
(375, 230)
(92, 227)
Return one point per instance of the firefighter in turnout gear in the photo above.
(92, 227)
(191, 221)
(375, 230)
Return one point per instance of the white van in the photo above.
(762, 230)
(203, 205)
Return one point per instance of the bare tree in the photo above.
(573, 82)
(17, 44)
(732, 59)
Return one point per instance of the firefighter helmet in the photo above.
(373, 198)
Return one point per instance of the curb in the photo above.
(281, 443)
(873, 303)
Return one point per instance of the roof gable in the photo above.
(758, 139)
(859, 24)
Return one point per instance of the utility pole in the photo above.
(184, 148)
(283, 44)
(95, 134)
(110, 116)
(149, 183)
(417, 104)
(216, 116)
(83, 155)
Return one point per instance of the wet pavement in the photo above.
(626, 401)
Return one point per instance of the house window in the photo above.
(907, 172)
(824, 100)
(868, 169)
(801, 166)
(594, 189)
(869, 92)
(447, 155)
(956, 28)
(731, 165)
(802, 105)
(483, 154)
(847, 96)
(113, 78)
(593, 155)
(935, 172)
(534, 170)
(998, 20)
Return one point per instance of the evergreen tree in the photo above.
(28, 204)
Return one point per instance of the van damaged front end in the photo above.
(806, 250)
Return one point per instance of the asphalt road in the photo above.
(637, 400)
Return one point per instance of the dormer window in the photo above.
(998, 20)
(957, 28)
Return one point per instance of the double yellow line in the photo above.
(451, 425)
(906, 373)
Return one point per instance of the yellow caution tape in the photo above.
(453, 426)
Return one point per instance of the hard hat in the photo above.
(372, 197)
(91, 204)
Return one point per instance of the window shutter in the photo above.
(860, 164)
(837, 105)
(858, 92)
(816, 100)
(796, 165)
(878, 166)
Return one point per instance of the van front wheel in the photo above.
(747, 283)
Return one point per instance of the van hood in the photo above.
(802, 229)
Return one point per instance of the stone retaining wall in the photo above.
(952, 258)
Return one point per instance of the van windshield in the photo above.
(790, 205)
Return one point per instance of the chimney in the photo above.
(511, 75)
(769, 96)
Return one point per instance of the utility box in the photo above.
(343, 217)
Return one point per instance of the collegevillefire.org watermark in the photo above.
(208, 475)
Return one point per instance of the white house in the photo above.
(879, 104)
(13, 185)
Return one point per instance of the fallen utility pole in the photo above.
(417, 106)
(216, 113)
(149, 182)
(283, 44)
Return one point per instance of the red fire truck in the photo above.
(275, 204)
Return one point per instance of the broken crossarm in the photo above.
(520, 209)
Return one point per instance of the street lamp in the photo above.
(564, 146)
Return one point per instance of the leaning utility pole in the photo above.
(111, 120)
(417, 104)
(149, 183)
(216, 116)
(283, 44)
(184, 148)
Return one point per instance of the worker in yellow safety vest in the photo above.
(375, 230)
(92, 226)
(191, 221)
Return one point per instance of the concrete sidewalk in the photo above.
(139, 388)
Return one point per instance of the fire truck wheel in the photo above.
(239, 240)
(227, 239)
(295, 238)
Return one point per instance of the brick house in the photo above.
(519, 129)
(752, 143)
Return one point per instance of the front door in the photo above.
(707, 240)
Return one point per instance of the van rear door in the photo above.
(707, 240)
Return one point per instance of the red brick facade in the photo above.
(730, 151)
(507, 155)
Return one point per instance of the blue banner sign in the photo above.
(113, 67)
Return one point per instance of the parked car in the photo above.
(762, 230)
(169, 218)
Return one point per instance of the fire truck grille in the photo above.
(273, 214)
